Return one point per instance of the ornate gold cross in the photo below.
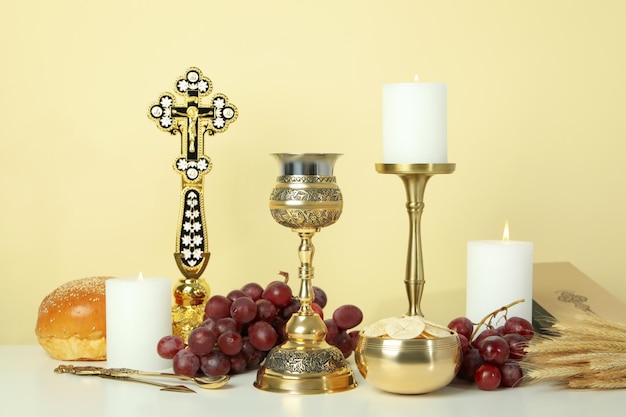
(193, 121)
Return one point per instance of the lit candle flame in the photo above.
(416, 78)
(140, 276)
(505, 235)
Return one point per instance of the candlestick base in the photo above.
(415, 178)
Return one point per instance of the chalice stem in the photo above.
(415, 184)
(305, 271)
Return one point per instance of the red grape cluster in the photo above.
(241, 327)
(491, 359)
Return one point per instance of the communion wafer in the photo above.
(378, 328)
(403, 328)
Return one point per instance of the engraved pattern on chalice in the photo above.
(301, 362)
(302, 201)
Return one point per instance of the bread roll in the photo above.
(71, 324)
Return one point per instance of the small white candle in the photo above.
(499, 272)
(415, 123)
(138, 314)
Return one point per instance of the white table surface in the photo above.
(29, 387)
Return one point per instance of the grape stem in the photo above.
(492, 315)
(284, 274)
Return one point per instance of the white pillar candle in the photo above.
(138, 314)
(415, 123)
(499, 272)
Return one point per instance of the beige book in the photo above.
(560, 291)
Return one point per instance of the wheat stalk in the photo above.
(582, 345)
(585, 352)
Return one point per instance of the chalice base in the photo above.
(312, 370)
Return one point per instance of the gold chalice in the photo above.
(305, 198)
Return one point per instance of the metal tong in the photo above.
(125, 374)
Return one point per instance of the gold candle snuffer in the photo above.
(193, 121)
(411, 366)
(126, 374)
(305, 198)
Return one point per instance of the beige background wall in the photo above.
(536, 116)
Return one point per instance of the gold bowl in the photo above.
(414, 366)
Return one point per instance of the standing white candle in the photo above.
(139, 313)
(499, 272)
(415, 123)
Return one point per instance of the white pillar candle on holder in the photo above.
(415, 123)
(138, 314)
(499, 272)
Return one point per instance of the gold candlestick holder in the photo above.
(415, 177)
(193, 121)
(305, 199)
